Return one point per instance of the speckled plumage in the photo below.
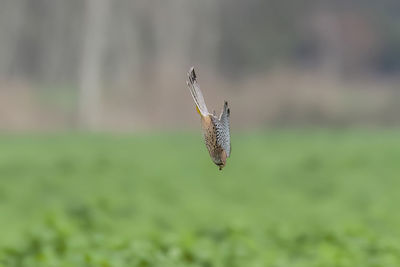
(215, 130)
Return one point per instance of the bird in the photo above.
(216, 130)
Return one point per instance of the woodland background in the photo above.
(121, 65)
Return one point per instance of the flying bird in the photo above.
(215, 129)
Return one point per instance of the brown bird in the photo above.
(215, 130)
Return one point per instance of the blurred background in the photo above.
(121, 65)
(111, 169)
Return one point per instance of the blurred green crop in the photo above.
(285, 198)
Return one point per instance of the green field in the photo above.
(286, 198)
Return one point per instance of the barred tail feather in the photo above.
(196, 93)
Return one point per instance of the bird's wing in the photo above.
(196, 93)
(223, 131)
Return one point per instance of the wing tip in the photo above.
(192, 75)
(226, 108)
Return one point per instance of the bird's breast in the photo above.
(209, 131)
(210, 139)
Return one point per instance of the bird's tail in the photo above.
(196, 93)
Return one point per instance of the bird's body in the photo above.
(215, 130)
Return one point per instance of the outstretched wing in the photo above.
(196, 92)
(223, 131)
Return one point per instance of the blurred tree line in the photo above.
(44, 40)
(96, 44)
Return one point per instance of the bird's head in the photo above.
(220, 166)
(222, 163)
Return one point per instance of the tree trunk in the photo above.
(97, 15)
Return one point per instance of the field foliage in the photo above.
(285, 198)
